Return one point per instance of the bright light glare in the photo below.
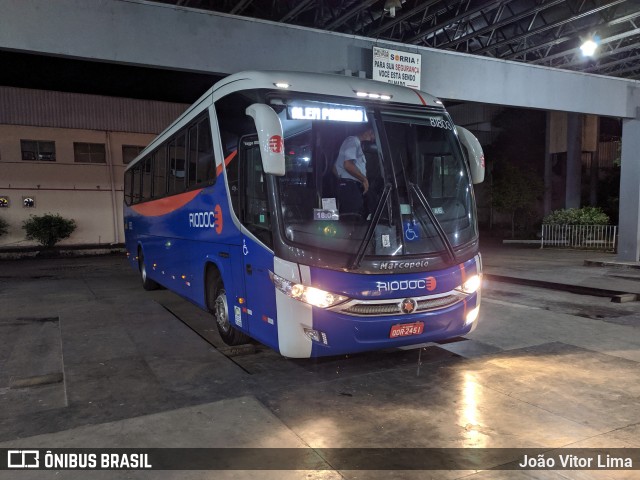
(282, 85)
(377, 96)
(589, 48)
(317, 297)
(471, 285)
(312, 296)
(472, 316)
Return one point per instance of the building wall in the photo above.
(89, 193)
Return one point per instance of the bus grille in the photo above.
(424, 304)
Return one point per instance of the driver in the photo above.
(351, 168)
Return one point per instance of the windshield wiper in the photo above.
(425, 204)
(371, 228)
(441, 233)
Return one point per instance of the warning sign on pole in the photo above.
(399, 68)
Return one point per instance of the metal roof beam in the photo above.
(544, 28)
(465, 14)
(604, 66)
(296, 11)
(346, 16)
(400, 18)
(240, 6)
(622, 71)
(613, 38)
(502, 23)
(603, 41)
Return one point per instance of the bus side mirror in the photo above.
(475, 156)
(269, 137)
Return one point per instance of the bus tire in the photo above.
(218, 304)
(147, 283)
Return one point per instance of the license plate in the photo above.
(406, 329)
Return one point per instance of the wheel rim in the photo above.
(222, 312)
(143, 269)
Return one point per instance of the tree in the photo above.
(516, 190)
(4, 227)
(48, 229)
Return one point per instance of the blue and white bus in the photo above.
(235, 208)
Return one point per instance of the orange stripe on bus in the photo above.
(226, 162)
(162, 206)
(420, 97)
(463, 274)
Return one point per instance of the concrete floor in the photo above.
(115, 366)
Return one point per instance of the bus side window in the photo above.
(128, 185)
(233, 123)
(206, 162)
(136, 183)
(177, 164)
(193, 156)
(146, 178)
(200, 157)
(255, 207)
(160, 172)
(230, 148)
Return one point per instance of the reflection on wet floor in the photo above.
(536, 373)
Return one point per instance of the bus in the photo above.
(237, 208)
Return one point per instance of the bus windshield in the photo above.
(417, 199)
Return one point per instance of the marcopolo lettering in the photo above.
(395, 265)
(202, 220)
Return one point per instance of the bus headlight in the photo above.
(472, 316)
(311, 295)
(471, 285)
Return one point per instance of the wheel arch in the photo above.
(211, 268)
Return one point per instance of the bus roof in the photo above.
(319, 83)
(326, 83)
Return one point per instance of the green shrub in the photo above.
(48, 229)
(4, 227)
(577, 216)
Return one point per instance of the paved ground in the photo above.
(117, 366)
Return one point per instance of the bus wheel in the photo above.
(147, 283)
(229, 334)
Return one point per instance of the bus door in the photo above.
(259, 308)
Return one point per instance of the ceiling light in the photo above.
(589, 47)
(390, 7)
(282, 85)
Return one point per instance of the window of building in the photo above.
(129, 152)
(38, 150)
(89, 152)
